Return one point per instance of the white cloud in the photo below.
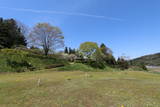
(63, 13)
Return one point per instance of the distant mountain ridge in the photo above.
(151, 60)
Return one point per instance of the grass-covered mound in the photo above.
(76, 67)
(84, 67)
(14, 60)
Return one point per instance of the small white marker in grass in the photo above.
(39, 82)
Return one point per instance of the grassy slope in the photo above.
(78, 89)
(37, 60)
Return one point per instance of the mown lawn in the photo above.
(80, 89)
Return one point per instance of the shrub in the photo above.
(97, 64)
(122, 64)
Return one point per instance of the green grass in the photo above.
(83, 67)
(76, 67)
(37, 61)
(80, 89)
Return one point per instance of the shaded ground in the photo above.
(80, 89)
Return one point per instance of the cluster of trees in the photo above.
(96, 56)
(43, 35)
(69, 50)
(11, 34)
(100, 56)
(49, 38)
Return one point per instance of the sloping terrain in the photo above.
(15, 60)
(152, 60)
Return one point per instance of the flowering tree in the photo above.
(46, 36)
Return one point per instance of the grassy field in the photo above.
(79, 89)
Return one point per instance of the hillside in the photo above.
(15, 60)
(153, 59)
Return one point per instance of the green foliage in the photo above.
(110, 60)
(71, 51)
(97, 60)
(86, 68)
(138, 66)
(14, 60)
(97, 64)
(10, 34)
(122, 64)
(143, 67)
(107, 55)
(105, 50)
(96, 57)
(88, 49)
(76, 67)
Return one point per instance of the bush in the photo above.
(122, 64)
(139, 67)
(97, 64)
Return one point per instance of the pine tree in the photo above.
(10, 34)
(66, 50)
(70, 51)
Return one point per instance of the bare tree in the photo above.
(47, 37)
(23, 28)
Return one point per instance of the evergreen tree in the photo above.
(10, 34)
(66, 50)
(70, 51)
(73, 51)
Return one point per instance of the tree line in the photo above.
(49, 38)
(42, 35)
(99, 56)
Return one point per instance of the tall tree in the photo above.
(47, 36)
(91, 51)
(71, 51)
(105, 50)
(88, 49)
(10, 34)
(107, 55)
(66, 50)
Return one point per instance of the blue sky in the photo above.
(128, 27)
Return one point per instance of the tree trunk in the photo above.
(46, 51)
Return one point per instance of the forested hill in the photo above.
(153, 59)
